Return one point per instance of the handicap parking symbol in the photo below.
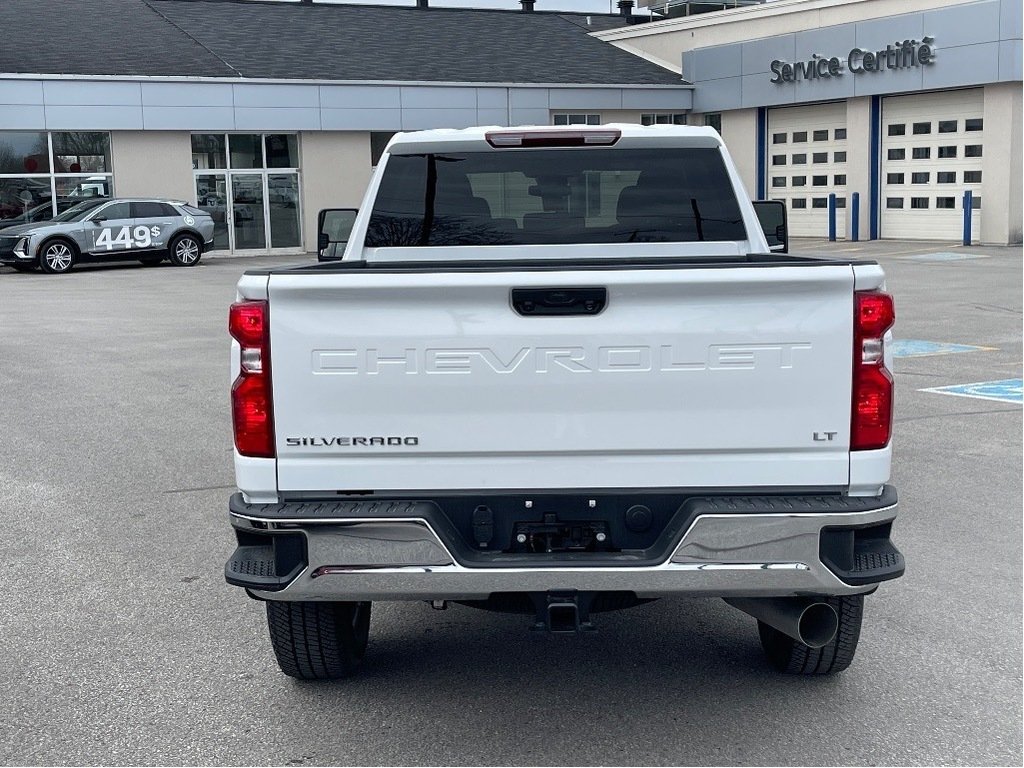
(1003, 391)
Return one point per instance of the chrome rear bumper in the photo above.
(404, 558)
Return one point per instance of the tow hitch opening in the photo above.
(563, 612)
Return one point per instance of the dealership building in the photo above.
(265, 112)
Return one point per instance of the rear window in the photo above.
(147, 210)
(554, 196)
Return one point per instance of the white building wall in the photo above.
(152, 164)
(334, 174)
(739, 132)
(1001, 165)
(858, 164)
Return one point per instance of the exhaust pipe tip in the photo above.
(818, 625)
(811, 622)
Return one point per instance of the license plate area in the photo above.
(553, 536)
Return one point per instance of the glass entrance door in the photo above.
(283, 205)
(250, 185)
(212, 197)
(247, 212)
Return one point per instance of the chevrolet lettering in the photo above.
(575, 359)
(561, 370)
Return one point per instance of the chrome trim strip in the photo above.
(772, 554)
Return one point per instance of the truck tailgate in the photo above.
(697, 377)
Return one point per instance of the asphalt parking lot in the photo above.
(122, 643)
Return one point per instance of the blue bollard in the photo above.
(968, 206)
(855, 217)
(832, 217)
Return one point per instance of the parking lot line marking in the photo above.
(1002, 391)
(919, 348)
(946, 256)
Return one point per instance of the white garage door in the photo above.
(807, 161)
(931, 153)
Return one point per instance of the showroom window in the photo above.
(44, 173)
(249, 183)
(576, 118)
(662, 118)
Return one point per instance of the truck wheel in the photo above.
(186, 251)
(794, 658)
(318, 641)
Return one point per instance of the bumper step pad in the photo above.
(862, 555)
(266, 562)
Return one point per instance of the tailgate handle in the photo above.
(559, 301)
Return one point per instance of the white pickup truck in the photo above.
(561, 371)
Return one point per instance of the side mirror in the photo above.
(334, 225)
(772, 215)
(98, 219)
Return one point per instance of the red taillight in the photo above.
(871, 422)
(246, 322)
(252, 409)
(875, 313)
(555, 138)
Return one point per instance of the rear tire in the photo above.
(794, 658)
(318, 641)
(186, 250)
